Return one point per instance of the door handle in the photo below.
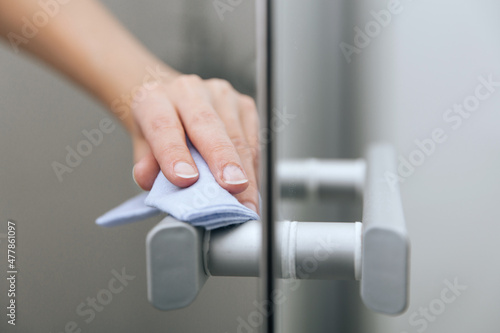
(180, 257)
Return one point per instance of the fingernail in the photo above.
(185, 170)
(233, 175)
(133, 176)
(250, 205)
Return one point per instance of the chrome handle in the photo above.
(181, 257)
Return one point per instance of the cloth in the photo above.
(203, 204)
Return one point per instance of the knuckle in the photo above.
(249, 109)
(255, 142)
(245, 149)
(255, 153)
(221, 86)
(222, 148)
(188, 80)
(204, 115)
(162, 124)
(239, 142)
(251, 153)
(175, 150)
(248, 104)
(256, 164)
(254, 118)
(246, 153)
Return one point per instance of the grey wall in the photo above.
(63, 257)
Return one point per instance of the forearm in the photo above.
(106, 60)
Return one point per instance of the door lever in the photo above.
(180, 257)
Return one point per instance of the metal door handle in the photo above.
(180, 257)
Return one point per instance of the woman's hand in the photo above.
(101, 56)
(220, 122)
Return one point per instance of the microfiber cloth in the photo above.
(203, 204)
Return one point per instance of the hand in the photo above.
(105, 59)
(220, 122)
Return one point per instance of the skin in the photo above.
(84, 42)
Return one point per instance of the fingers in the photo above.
(164, 132)
(228, 107)
(208, 133)
(250, 123)
(221, 123)
(251, 154)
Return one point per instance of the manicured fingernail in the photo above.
(133, 176)
(250, 205)
(185, 170)
(233, 175)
